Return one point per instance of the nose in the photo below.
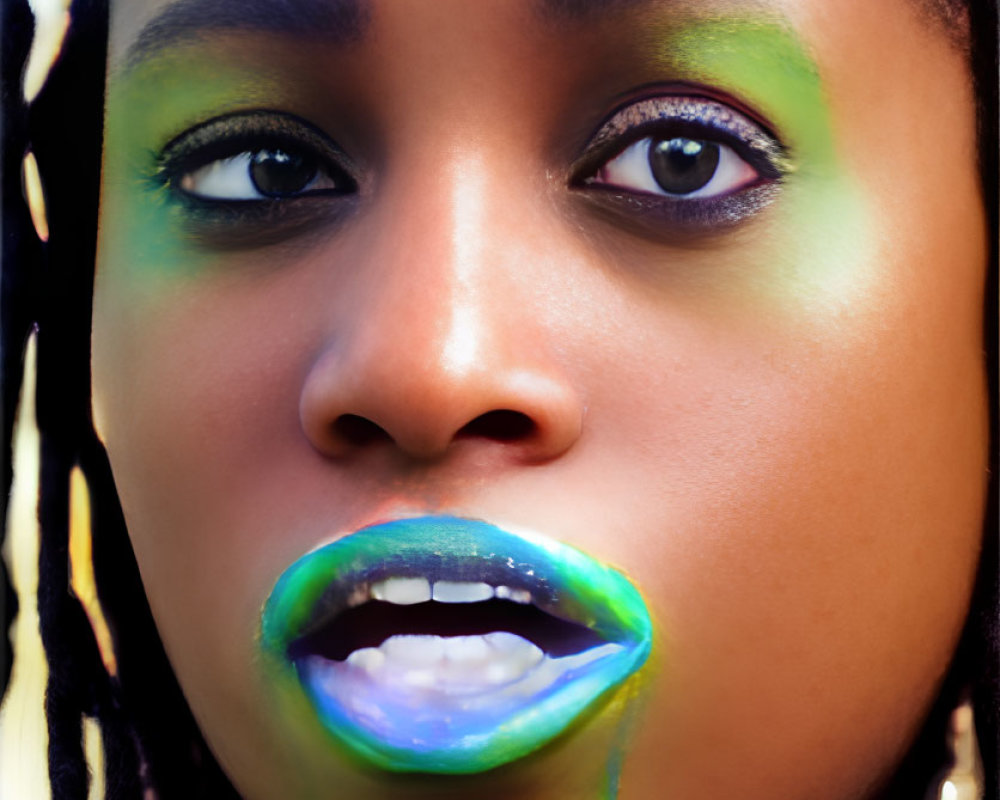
(442, 343)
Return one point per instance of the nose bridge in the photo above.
(466, 231)
(440, 339)
(435, 280)
(445, 211)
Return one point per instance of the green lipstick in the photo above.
(447, 645)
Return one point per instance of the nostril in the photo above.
(501, 426)
(357, 430)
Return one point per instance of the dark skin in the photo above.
(776, 427)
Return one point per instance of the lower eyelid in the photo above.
(247, 224)
(666, 218)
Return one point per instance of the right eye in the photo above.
(255, 157)
(268, 173)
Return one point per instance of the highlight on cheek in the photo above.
(448, 645)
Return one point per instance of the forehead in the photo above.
(142, 27)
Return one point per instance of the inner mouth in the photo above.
(372, 623)
(421, 660)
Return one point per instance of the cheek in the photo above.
(191, 431)
(196, 396)
(821, 475)
(814, 513)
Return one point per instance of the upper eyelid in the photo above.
(630, 120)
(225, 135)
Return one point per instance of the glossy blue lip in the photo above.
(433, 725)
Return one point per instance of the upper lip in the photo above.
(565, 601)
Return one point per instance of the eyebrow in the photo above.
(569, 10)
(340, 22)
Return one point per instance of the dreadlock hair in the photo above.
(149, 737)
(152, 745)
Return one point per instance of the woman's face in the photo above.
(694, 288)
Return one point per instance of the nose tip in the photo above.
(440, 337)
(529, 415)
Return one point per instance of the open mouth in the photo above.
(448, 645)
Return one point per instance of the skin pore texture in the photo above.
(761, 414)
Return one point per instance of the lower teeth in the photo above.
(473, 671)
(451, 664)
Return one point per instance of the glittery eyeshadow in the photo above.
(692, 110)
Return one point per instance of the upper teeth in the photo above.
(402, 591)
(461, 592)
(407, 591)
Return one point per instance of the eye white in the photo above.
(630, 169)
(232, 179)
(224, 179)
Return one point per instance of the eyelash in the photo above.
(229, 149)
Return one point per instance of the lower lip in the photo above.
(438, 725)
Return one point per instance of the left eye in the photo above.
(677, 167)
(260, 174)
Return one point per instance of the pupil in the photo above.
(277, 172)
(682, 166)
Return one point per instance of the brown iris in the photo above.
(682, 166)
(278, 173)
